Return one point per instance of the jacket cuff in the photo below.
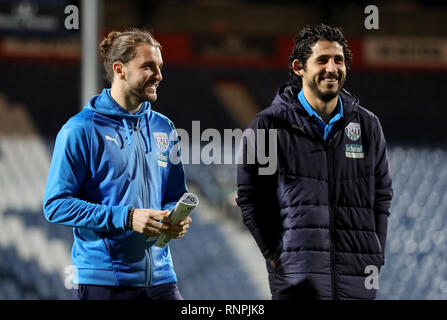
(120, 217)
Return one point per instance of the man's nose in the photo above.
(330, 66)
(158, 75)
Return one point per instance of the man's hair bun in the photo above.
(107, 42)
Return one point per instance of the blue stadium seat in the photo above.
(416, 259)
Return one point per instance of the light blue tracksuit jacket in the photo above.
(105, 161)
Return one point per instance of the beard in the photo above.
(328, 94)
(140, 95)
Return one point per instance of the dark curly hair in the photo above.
(307, 38)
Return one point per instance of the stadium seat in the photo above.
(32, 262)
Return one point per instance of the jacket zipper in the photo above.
(378, 241)
(143, 166)
(148, 275)
(330, 167)
(149, 282)
(331, 216)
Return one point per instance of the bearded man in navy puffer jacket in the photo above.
(320, 220)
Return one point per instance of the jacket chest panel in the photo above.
(114, 159)
(353, 171)
(303, 154)
(299, 155)
(352, 159)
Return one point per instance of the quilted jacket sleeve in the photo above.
(383, 186)
(257, 187)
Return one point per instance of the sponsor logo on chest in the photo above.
(353, 132)
(162, 140)
(354, 151)
(162, 159)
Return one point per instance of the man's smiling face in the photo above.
(325, 71)
(144, 73)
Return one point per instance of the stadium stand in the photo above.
(416, 265)
(35, 253)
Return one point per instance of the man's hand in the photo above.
(154, 222)
(177, 230)
(147, 221)
(271, 260)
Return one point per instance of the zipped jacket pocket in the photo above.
(378, 241)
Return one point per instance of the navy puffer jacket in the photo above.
(323, 215)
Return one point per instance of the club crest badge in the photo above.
(352, 130)
(162, 140)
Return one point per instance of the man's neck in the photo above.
(117, 93)
(323, 108)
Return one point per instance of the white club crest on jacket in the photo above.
(162, 140)
(352, 130)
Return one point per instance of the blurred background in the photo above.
(223, 61)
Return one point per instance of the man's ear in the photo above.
(298, 67)
(119, 70)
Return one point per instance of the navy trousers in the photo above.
(168, 291)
